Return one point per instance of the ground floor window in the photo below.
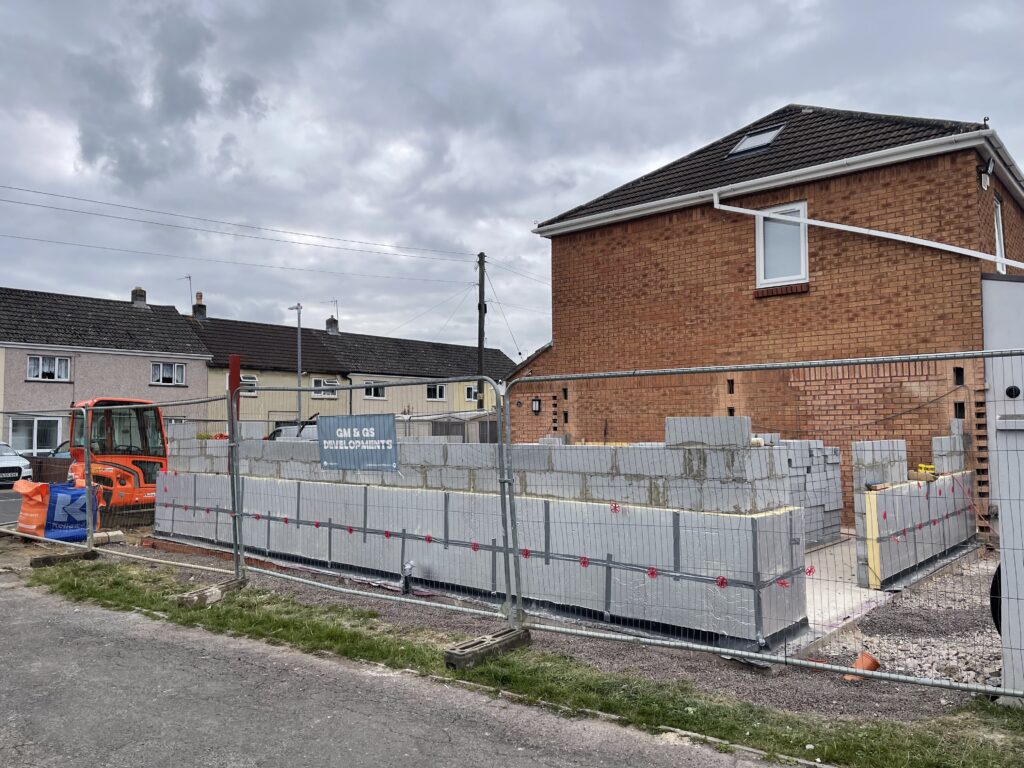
(35, 435)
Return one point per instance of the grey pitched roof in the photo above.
(358, 353)
(37, 317)
(810, 136)
(264, 346)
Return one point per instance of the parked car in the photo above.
(62, 451)
(306, 431)
(12, 466)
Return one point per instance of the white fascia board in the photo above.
(63, 348)
(838, 167)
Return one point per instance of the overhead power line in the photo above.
(538, 310)
(221, 232)
(521, 273)
(232, 223)
(431, 309)
(233, 263)
(514, 342)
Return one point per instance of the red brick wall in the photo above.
(678, 289)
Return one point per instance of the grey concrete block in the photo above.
(947, 463)
(708, 431)
(485, 480)
(769, 494)
(769, 438)
(472, 455)
(583, 458)
(951, 444)
(358, 477)
(530, 457)
(250, 449)
(563, 485)
(650, 461)
(405, 477)
(636, 490)
(291, 450)
(421, 453)
(448, 478)
(727, 496)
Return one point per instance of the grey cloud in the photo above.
(453, 128)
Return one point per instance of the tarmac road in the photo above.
(87, 687)
(10, 504)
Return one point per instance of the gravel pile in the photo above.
(941, 627)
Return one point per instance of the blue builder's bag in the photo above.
(53, 511)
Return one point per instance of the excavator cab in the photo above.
(128, 450)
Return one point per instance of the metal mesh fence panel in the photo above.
(817, 514)
(408, 504)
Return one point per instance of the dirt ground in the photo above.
(787, 688)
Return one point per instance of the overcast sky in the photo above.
(452, 126)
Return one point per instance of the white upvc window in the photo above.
(1000, 244)
(167, 374)
(325, 389)
(781, 247)
(247, 383)
(48, 368)
(470, 393)
(435, 392)
(34, 434)
(373, 391)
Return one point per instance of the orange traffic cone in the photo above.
(865, 661)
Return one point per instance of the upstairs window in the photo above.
(167, 374)
(470, 393)
(373, 391)
(247, 385)
(325, 389)
(435, 392)
(1000, 245)
(756, 140)
(47, 368)
(782, 247)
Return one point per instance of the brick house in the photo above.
(56, 349)
(675, 269)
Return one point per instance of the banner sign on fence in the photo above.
(358, 442)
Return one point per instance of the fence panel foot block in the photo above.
(45, 561)
(208, 595)
(470, 653)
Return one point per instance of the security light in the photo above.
(535, 406)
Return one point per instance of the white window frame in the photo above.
(57, 360)
(1000, 241)
(800, 208)
(325, 388)
(247, 385)
(370, 386)
(440, 393)
(34, 450)
(175, 368)
(471, 393)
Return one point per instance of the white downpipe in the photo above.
(864, 231)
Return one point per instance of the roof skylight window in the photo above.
(756, 140)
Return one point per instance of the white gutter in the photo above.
(105, 351)
(760, 215)
(987, 137)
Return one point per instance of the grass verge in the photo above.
(979, 735)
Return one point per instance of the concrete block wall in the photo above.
(740, 576)
(814, 483)
(909, 522)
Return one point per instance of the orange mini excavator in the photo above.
(128, 451)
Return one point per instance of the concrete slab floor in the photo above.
(833, 597)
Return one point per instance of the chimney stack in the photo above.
(332, 325)
(199, 309)
(139, 297)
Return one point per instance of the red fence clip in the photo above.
(316, 523)
(809, 570)
(475, 546)
(615, 508)
(584, 562)
(428, 538)
(722, 582)
(525, 553)
(387, 534)
(652, 572)
(783, 583)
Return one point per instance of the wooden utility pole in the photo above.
(481, 312)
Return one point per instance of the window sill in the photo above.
(781, 290)
(49, 381)
(179, 386)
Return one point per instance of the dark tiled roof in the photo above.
(36, 317)
(272, 347)
(357, 353)
(263, 346)
(810, 136)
